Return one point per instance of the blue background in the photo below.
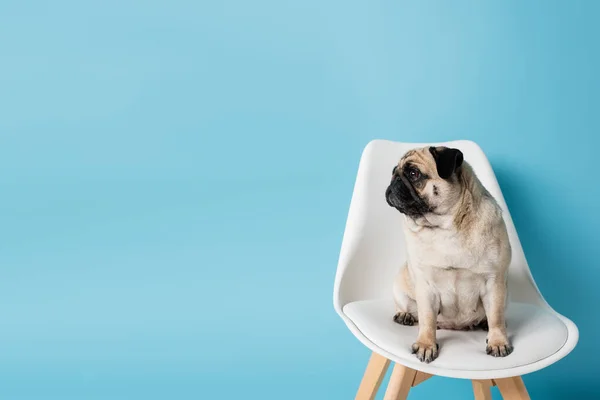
(175, 178)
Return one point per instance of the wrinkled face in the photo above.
(426, 181)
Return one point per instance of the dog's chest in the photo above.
(438, 248)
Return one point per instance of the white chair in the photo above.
(371, 255)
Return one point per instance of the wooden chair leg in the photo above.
(512, 388)
(482, 389)
(400, 383)
(372, 378)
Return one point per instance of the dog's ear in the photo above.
(394, 170)
(447, 160)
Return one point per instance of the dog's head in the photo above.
(426, 181)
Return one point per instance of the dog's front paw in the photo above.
(425, 352)
(404, 318)
(498, 347)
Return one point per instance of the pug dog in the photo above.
(458, 252)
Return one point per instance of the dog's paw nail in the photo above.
(499, 349)
(425, 353)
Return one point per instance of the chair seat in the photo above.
(536, 333)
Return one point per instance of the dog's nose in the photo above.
(387, 192)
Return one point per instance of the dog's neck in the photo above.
(472, 196)
(429, 221)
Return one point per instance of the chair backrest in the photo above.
(373, 247)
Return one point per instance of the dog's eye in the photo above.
(414, 174)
